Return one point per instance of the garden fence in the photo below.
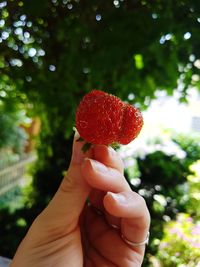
(10, 175)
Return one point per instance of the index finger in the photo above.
(108, 156)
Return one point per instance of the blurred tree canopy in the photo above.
(52, 52)
(55, 51)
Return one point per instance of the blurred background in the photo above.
(52, 52)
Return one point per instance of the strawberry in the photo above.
(104, 119)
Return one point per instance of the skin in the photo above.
(69, 232)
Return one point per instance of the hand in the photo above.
(69, 232)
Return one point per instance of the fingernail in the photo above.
(76, 135)
(77, 155)
(118, 197)
(96, 165)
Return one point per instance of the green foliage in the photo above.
(168, 184)
(52, 52)
(162, 182)
(12, 199)
(12, 113)
(181, 243)
(192, 205)
(52, 55)
(12, 230)
(115, 47)
(191, 145)
(11, 135)
(16, 215)
(158, 168)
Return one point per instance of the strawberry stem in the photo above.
(86, 147)
(115, 146)
(80, 139)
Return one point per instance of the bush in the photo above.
(190, 144)
(166, 181)
(181, 243)
(157, 168)
(162, 182)
(194, 191)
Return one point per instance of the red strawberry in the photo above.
(104, 119)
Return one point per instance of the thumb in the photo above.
(67, 204)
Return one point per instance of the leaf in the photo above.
(139, 61)
(80, 139)
(115, 146)
(86, 147)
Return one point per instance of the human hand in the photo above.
(71, 233)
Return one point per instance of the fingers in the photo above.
(108, 242)
(102, 177)
(77, 154)
(114, 180)
(132, 208)
(109, 157)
